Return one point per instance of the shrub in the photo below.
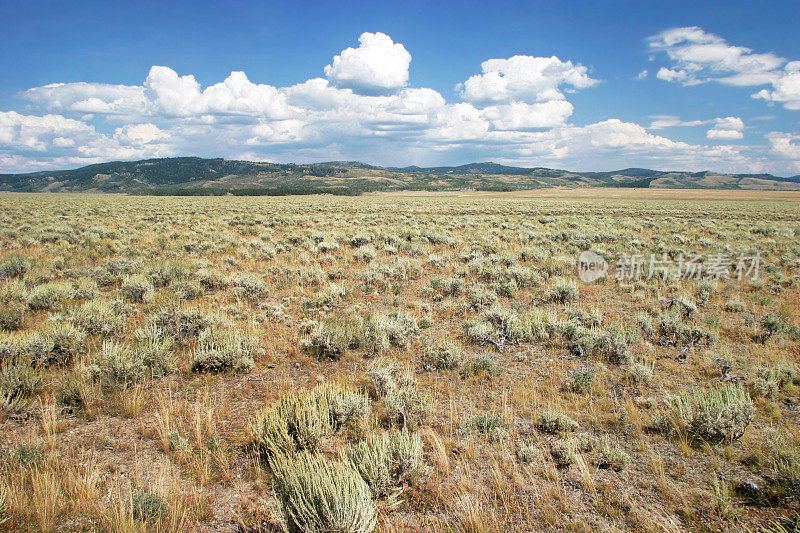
(673, 331)
(250, 287)
(344, 404)
(407, 406)
(562, 290)
(59, 343)
(187, 290)
(718, 415)
(332, 294)
(119, 366)
(14, 266)
(442, 354)
(386, 461)
(12, 315)
(769, 380)
(211, 278)
(319, 495)
(136, 288)
(333, 336)
(734, 305)
(451, 286)
(387, 375)
(609, 455)
(296, 422)
(399, 328)
(163, 272)
(498, 326)
(148, 507)
(50, 295)
(85, 288)
(482, 366)
(220, 350)
(105, 317)
(180, 323)
(17, 380)
(580, 380)
(553, 422)
(480, 297)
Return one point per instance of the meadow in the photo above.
(400, 362)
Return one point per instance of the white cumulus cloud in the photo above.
(727, 128)
(519, 116)
(786, 87)
(139, 134)
(524, 79)
(33, 133)
(784, 146)
(377, 66)
(515, 110)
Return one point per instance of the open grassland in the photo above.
(397, 362)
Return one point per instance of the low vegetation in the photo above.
(396, 363)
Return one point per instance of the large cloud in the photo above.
(727, 128)
(84, 98)
(29, 142)
(163, 94)
(524, 79)
(32, 133)
(139, 134)
(377, 66)
(786, 87)
(519, 116)
(699, 57)
(783, 146)
(516, 111)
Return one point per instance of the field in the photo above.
(400, 362)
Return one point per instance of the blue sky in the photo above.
(575, 85)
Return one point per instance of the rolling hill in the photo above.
(194, 175)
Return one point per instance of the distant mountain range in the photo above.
(198, 176)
